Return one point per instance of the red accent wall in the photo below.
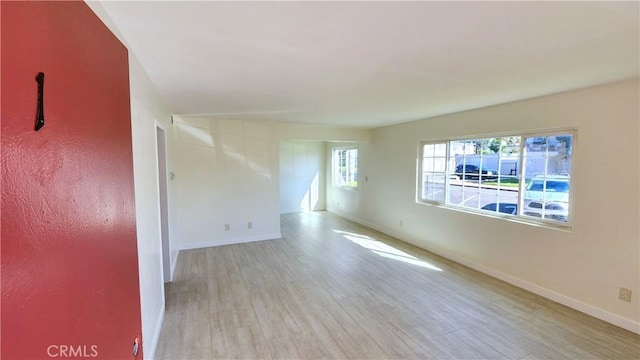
(69, 266)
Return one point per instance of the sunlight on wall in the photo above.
(226, 174)
(261, 170)
(385, 250)
(302, 176)
(311, 197)
(194, 135)
(204, 137)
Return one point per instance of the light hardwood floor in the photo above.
(331, 288)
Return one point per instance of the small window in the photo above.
(527, 176)
(345, 167)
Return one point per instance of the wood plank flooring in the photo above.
(332, 289)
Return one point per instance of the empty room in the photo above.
(306, 180)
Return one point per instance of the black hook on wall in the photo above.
(40, 111)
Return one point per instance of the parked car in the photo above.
(547, 197)
(469, 171)
(506, 208)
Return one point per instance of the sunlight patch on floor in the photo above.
(384, 250)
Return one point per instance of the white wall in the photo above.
(302, 176)
(147, 108)
(228, 172)
(582, 268)
(289, 131)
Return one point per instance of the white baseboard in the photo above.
(238, 240)
(151, 352)
(549, 294)
(513, 280)
(356, 220)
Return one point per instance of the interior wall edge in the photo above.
(156, 334)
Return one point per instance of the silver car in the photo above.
(547, 197)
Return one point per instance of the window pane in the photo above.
(428, 150)
(547, 169)
(470, 197)
(439, 164)
(488, 196)
(433, 172)
(427, 164)
(487, 169)
(352, 168)
(460, 194)
(461, 147)
(433, 187)
(440, 150)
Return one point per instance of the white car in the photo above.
(547, 197)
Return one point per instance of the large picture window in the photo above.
(527, 176)
(345, 167)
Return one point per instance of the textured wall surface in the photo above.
(69, 257)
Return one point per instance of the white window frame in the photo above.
(338, 179)
(519, 217)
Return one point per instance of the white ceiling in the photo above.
(373, 63)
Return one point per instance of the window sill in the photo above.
(348, 188)
(547, 224)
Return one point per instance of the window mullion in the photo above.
(521, 180)
(447, 175)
